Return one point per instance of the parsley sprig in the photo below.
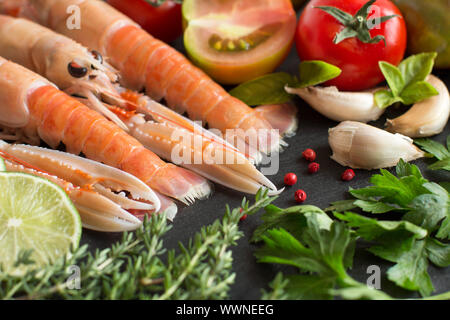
(415, 240)
(437, 150)
(322, 249)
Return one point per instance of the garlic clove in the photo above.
(341, 106)
(361, 146)
(425, 118)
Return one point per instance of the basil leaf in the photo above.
(417, 67)
(316, 72)
(385, 98)
(268, 89)
(393, 77)
(407, 82)
(418, 91)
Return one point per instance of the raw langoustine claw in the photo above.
(85, 74)
(99, 192)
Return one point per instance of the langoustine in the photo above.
(32, 108)
(78, 71)
(147, 63)
(104, 196)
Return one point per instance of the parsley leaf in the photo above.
(397, 192)
(410, 272)
(292, 220)
(428, 210)
(410, 242)
(407, 82)
(323, 250)
(309, 287)
(439, 151)
(438, 253)
(373, 229)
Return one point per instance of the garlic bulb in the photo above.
(360, 146)
(425, 118)
(341, 106)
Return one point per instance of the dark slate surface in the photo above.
(322, 189)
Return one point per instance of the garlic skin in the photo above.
(341, 106)
(426, 118)
(360, 146)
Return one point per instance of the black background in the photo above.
(322, 189)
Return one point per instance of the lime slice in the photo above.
(2, 164)
(37, 215)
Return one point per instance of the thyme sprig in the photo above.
(139, 267)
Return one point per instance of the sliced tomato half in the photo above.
(238, 40)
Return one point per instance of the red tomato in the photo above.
(317, 29)
(163, 22)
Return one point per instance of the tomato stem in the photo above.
(358, 25)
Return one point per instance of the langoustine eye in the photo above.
(76, 70)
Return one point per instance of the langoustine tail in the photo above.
(187, 144)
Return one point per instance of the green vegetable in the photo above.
(407, 81)
(323, 250)
(315, 72)
(292, 219)
(439, 151)
(428, 24)
(37, 215)
(135, 267)
(270, 89)
(410, 242)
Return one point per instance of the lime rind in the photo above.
(2, 165)
(37, 215)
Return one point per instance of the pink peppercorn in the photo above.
(309, 155)
(348, 175)
(300, 196)
(313, 167)
(290, 179)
